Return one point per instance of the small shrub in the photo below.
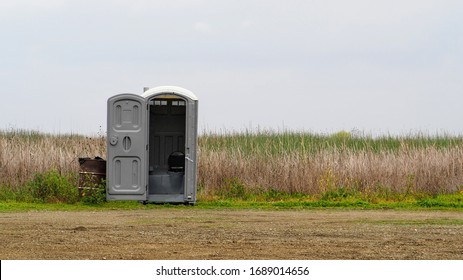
(50, 186)
(7, 194)
(94, 194)
(340, 193)
(274, 194)
(233, 188)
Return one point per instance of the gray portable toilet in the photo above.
(151, 146)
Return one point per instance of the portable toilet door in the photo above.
(172, 138)
(127, 148)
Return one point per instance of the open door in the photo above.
(127, 147)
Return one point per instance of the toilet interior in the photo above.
(167, 120)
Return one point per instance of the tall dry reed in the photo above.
(285, 162)
(26, 153)
(316, 165)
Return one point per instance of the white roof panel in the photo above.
(169, 89)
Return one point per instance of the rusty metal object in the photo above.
(92, 174)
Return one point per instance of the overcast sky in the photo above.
(323, 66)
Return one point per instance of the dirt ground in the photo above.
(193, 233)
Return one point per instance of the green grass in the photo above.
(441, 202)
(29, 136)
(285, 201)
(277, 143)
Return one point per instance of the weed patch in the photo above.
(53, 187)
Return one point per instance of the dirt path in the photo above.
(193, 233)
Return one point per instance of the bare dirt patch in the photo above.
(192, 233)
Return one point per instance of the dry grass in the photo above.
(311, 164)
(286, 162)
(26, 153)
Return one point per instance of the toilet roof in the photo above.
(169, 89)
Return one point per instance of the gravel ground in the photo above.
(193, 233)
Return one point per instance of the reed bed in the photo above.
(26, 153)
(260, 162)
(318, 164)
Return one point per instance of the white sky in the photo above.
(382, 66)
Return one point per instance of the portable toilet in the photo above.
(151, 146)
